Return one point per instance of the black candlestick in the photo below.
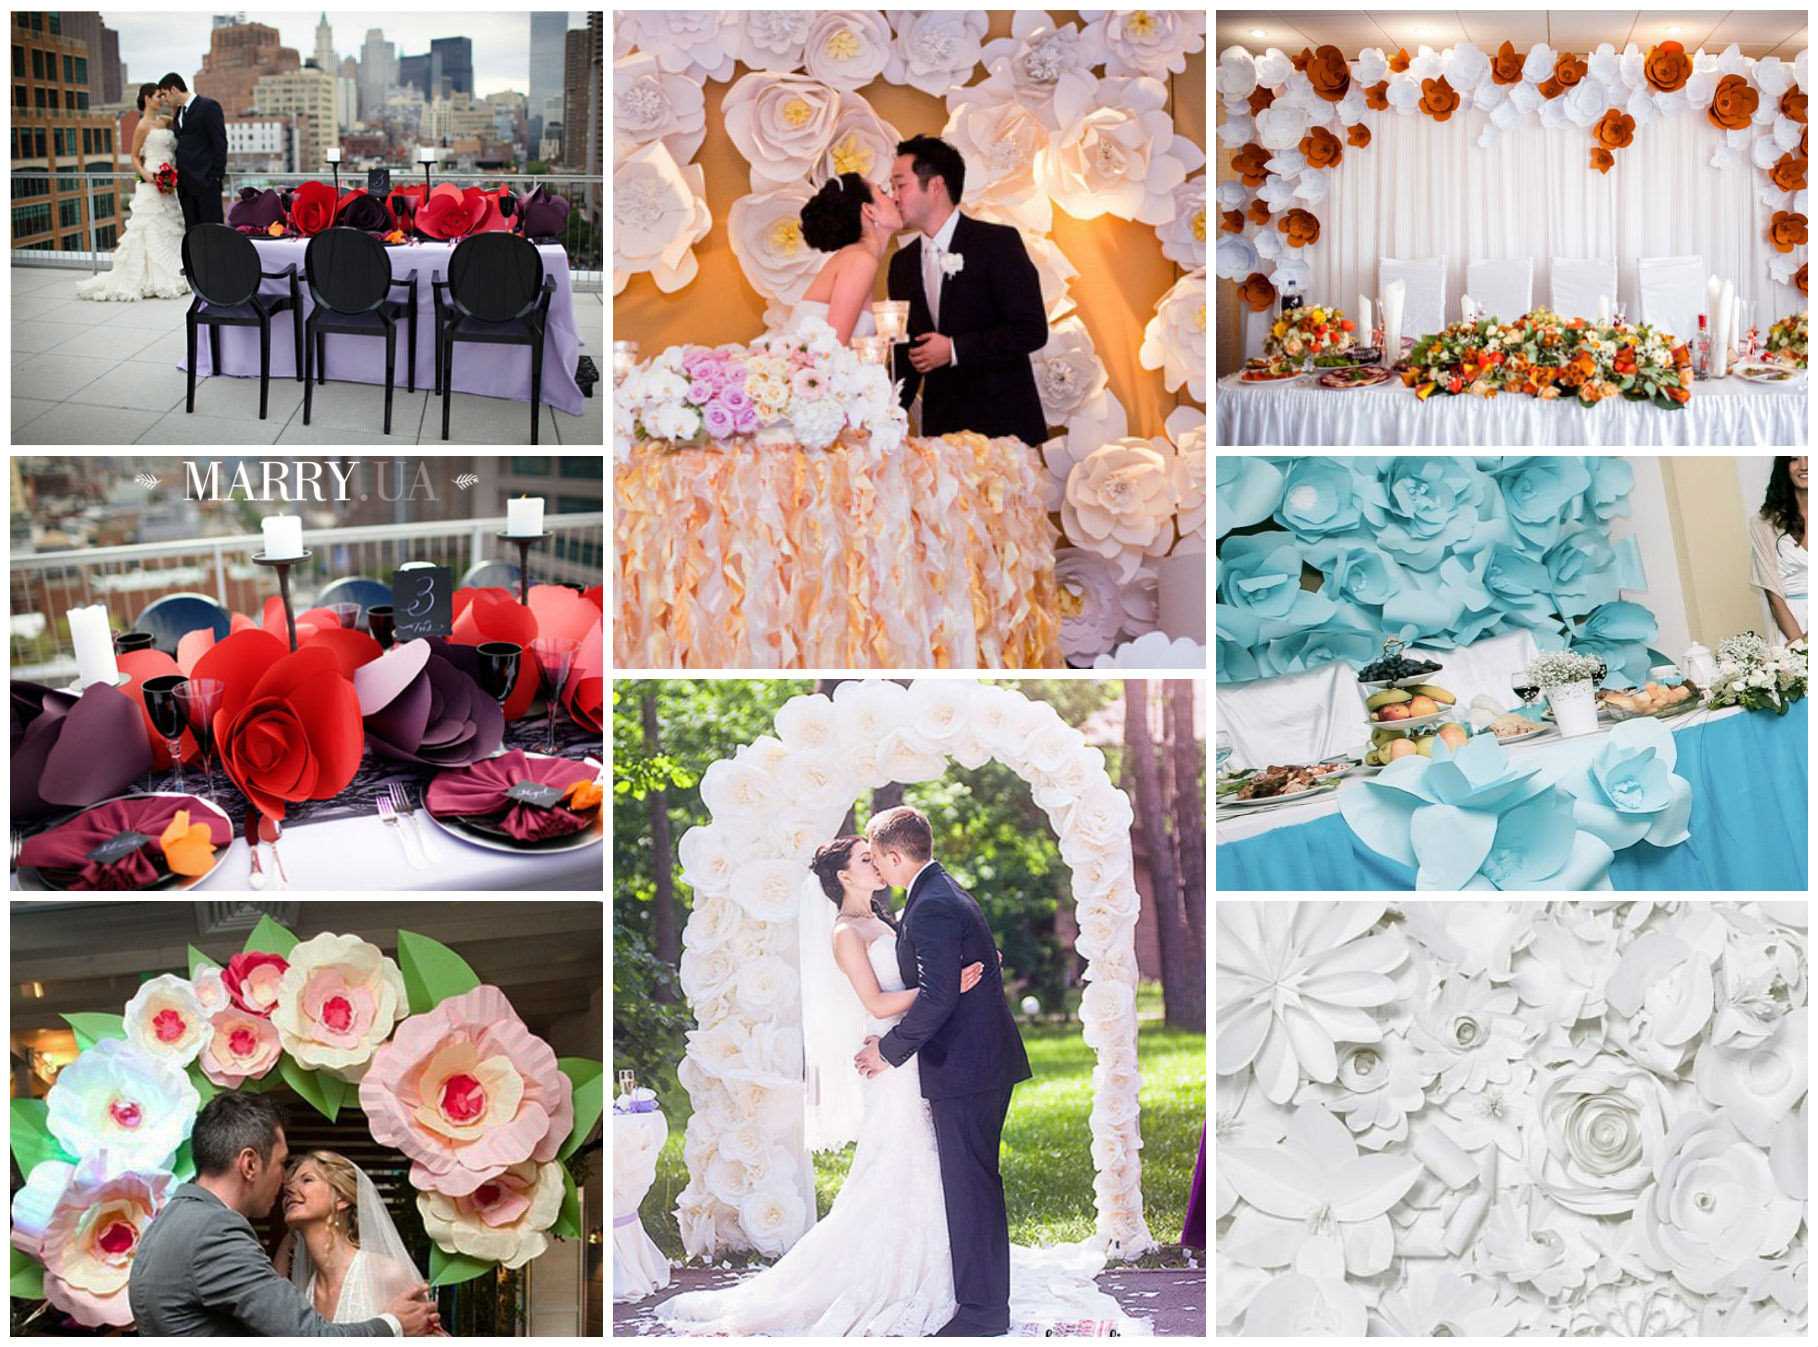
(524, 541)
(282, 565)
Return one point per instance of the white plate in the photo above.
(1283, 382)
(1534, 733)
(1382, 684)
(181, 882)
(1411, 723)
(1786, 376)
(1325, 787)
(590, 836)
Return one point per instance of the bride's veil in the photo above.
(387, 1271)
(833, 1029)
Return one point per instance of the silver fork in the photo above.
(389, 812)
(406, 807)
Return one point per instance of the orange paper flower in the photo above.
(1505, 66)
(1301, 227)
(1258, 291)
(1786, 231)
(1358, 135)
(583, 795)
(1799, 278)
(1438, 99)
(1329, 74)
(1399, 61)
(1251, 164)
(1232, 222)
(1321, 148)
(1602, 160)
(1259, 211)
(1550, 88)
(1734, 103)
(276, 230)
(1377, 95)
(1788, 173)
(188, 849)
(1667, 67)
(1792, 104)
(1569, 69)
(1260, 98)
(1615, 130)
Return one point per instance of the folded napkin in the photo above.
(66, 846)
(478, 791)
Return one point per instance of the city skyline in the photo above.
(152, 43)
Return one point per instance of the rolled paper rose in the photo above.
(1251, 163)
(1377, 96)
(1505, 66)
(1615, 130)
(1602, 160)
(1788, 173)
(1329, 74)
(1358, 135)
(1569, 69)
(1792, 106)
(1667, 67)
(1400, 60)
(1231, 222)
(1259, 212)
(312, 208)
(84, 1222)
(1438, 99)
(1321, 148)
(1733, 105)
(1257, 291)
(1786, 231)
(253, 979)
(1598, 1132)
(1261, 98)
(1301, 227)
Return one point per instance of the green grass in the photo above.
(1047, 1163)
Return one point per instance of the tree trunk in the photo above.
(662, 853)
(1183, 984)
(1189, 809)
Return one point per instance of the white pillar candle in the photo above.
(283, 536)
(426, 154)
(334, 154)
(524, 517)
(1720, 336)
(1364, 324)
(94, 642)
(1603, 308)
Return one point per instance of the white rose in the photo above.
(1597, 1134)
(901, 758)
(819, 780)
(847, 48)
(1068, 371)
(781, 124)
(1037, 54)
(771, 39)
(706, 973)
(1757, 1084)
(1183, 238)
(763, 984)
(808, 724)
(1120, 504)
(1116, 151)
(734, 790)
(1174, 341)
(1095, 873)
(1101, 819)
(1051, 747)
(939, 710)
(650, 105)
(659, 212)
(999, 137)
(1153, 42)
(935, 50)
(719, 1049)
(773, 1218)
(728, 1180)
(694, 43)
(708, 856)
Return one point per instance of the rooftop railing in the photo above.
(128, 578)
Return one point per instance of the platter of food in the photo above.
(1272, 785)
(1404, 708)
(1652, 699)
(1355, 376)
(1766, 372)
(1261, 372)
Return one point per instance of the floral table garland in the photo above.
(1540, 354)
(105, 1148)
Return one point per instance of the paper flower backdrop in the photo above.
(1427, 1128)
(484, 1108)
(1436, 551)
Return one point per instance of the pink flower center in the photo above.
(242, 1042)
(117, 1238)
(487, 1195)
(168, 1025)
(463, 1099)
(124, 1112)
(337, 1013)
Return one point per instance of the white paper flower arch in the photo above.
(772, 803)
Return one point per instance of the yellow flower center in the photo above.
(786, 236)
(1199, 225)
(1199, 324)
(852, 155)
(1070, 601)
(843, 44)
(1140, 23)
(796, 111)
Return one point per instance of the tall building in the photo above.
(325, 45)
(113, 74)
(307, 96)
(457, 62)
(581, 76)
(261, 143)
(548, 30)
(239, 56)
(58, 129)
(420, 73)
(347, 94)
(378, 71)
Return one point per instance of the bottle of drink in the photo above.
(1701, 349)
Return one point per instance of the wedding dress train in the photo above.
(148, 264)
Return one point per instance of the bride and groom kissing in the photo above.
(342, 1270)
(975, 298)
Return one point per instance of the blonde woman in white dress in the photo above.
(148, 264)
(342, 1250)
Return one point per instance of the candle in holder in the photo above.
(871, 350)
(524, 517)
(333, 154)
(624, 360)
(283, 536)
(426, 154)
(892, 317)
(94, 642)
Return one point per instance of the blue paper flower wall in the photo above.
(1440, 552)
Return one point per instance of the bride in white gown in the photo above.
(855, 221)
(878, 1264)
(148, 264)
(342, 1251)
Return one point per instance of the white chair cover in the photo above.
(1579, 282)
(1424, 310)
(1673, 293)
(1502, 289)
(639, 1268)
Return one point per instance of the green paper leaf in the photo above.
(205, 1087)
(589, 1079)
(271, 1080)
(197, 958)
(92, 1028)
(568, 1220)
(32, 1142)
(184, 1166)
(28, 1276)
(310, 1085)
(449, 1269)
(432, 971)
(270, 938)
(334, 1092)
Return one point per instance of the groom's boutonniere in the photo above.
(952, 263)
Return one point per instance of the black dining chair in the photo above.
(497, 293)
(222, 267)
(351, 283)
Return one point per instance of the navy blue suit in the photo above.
(970, 1056)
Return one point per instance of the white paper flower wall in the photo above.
(750, 1184)
(1290, 121)
(1495, 1119)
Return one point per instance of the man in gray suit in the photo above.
(200, 1270)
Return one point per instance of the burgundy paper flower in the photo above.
(70, 750)
(419, 706)
(312, 208)
(357, 210)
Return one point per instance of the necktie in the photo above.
(934, 282)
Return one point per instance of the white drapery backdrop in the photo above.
(1425, 189)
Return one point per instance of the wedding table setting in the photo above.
(451, 739)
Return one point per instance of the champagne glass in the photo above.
(199, 699)
(166, 714)
(499, 668)
(381, 621)
(555, 658)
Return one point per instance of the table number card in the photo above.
(423, 598)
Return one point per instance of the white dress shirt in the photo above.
(933, 249)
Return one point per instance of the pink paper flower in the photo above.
(252, 980)
(505, 1218)
(337, 1002)
(244, 1047)
(84, 1222)
(166, 1020)
(466, 1091)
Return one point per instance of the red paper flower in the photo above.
(317, 626)
(312, 208)
(451, 213)
(142, 666)
(252, 979)
(289, 725)
(482, 615)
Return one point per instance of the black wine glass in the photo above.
(168, 718)
(499, 668)
(200, 698)
(381, 621)
(126, 642)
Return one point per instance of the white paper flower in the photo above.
(862, 143)
(1091, 605)
(734, 790)
(847, 48)
(1757, 1084)
(1186, 430)
(1468, 1034)
(1117, 151)
(1183, 238)
(709, 855)
(1529, 1241)
(771, 39)
(209, 988)
(1378, 1086)
(706, 973)
(1466, 67)
(649, 105)
(767, 889)
(1000, 139)
(1237, 258)
(1174, 340)
(1597, 1134)
(901, 758)
(659, 213)
(1037, 54)
(935, 50)
(1236, 73)
(1492, 1115)
(695, 43)
(1148, 41)
(1067, 371)
(166, 1020)
(1660, 998)
(119, 1098)
(773, 1218)
(1120, 503)
(1155, 650)
(762, 986)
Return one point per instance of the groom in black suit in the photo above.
(201, 152)
(970, 1056)
(975, 305)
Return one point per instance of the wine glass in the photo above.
(167, 718)
(1525, 687)
(381, 621)
(555, 657)
(499, 668)
(1222, 740)
(199, 699)
(126, 642)
(347, 614)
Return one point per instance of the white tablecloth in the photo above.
(1725, 412)
(638, 1266)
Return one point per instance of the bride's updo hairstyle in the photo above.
(834, 216)
(835, 856)
(145, 93)
(339, 1174)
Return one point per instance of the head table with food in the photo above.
(448, 739)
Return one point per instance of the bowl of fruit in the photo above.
(1386, 745)
(1402, 710)
(1394, 668)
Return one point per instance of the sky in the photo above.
(155, 42)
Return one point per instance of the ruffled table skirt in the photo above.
(935, 555)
